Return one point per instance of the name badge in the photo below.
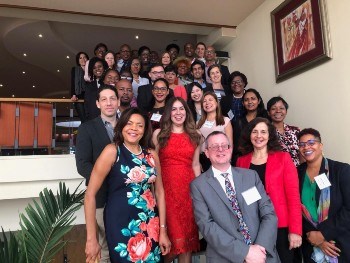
(251, 195)
(322, 181)
(230, 114)
(156, 117)
(208, 124)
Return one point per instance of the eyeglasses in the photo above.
(135, 64)
(157, 72)
(237, 82)
(209, 51)
(216, 147)
(161, 89)
(308, 143)
(124, 77)
(125, 51)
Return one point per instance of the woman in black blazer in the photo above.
(326, 211)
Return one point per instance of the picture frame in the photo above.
(301, 38)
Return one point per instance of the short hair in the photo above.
(161, 79)
(146, 140)
(310, 131)
(197, 62)
(105, 87)
(274, 100)
(238, 74)
(245, 144)
(213, 66)
(143, 48)
(154, 66)
(125, 45)
(201, 43)
(92, 63)
(213, 134)
(170, 46)
(109, 70)
(100, 45)
(77, 56)
(170, 68)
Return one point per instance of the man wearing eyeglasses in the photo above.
(125, 54)
(211, 59)
(144, 93)
(232, 210)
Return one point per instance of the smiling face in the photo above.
(125, 52)
(100, 52)
(189, 50)
(145, 57)
(250, 101)
(311, 153)
(178, 113)
(134, 130)
(210, 54)
(196, 94)
(166, 59)
(135, 66)
(209, 103)
(160, 91)
(200, 51)
(221, 157)
(109, 57)
(97, 70)
(182, 69)
(237, 86)
(197, 72)
(107, 103)
(259, 136)
(82, 60)
(278, 112)
(215, 75)
(111, 78)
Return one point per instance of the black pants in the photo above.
(282, 245)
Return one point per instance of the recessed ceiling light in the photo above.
(67, 57)
(40, 35)
(33, 86)
(1, 85)
(58, 70)
(137, 37)
(24, 54)
(23, 72)
(13, 95)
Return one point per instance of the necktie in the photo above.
(231, 194)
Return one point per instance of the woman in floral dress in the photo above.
(135, 223)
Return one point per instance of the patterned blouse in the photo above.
(289, 141)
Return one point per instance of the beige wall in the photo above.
(319, 97)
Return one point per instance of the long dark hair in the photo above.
(245, 144)
(219, 118)
(146, 140)
(166, 124)
(190, 102)
(92, 63)
(261, 112)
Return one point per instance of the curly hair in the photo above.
(238, 74)
(92, 63)
(245, 143)
(309, 131)
(166, 124)
(219, 118)
(146, 140)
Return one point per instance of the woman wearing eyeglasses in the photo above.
(325, 207)
(160, 92)
(262, 153)
(137, 80)
(178, 144)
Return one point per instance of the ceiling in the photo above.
(77, 28)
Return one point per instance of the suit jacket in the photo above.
(91, 140)
(337, 226)
(91, 110)
(282, 185)
(219, 225)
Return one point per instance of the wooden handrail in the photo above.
(37, 100)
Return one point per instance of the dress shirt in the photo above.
(221, 179)
(109, 129)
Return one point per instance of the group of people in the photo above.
(180, 147)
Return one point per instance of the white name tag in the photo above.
(251, 195)
(156, 117)
(322, 181)
(230, 114)
(208, 124)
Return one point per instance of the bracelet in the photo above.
(163, 226)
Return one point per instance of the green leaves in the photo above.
(43, 227)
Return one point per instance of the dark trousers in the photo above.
(282, 245)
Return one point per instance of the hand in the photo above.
(92, 251)
(74, 98)
(164, 242)
(329, 249)
(294, 240)
(256, 254)
(315, 238)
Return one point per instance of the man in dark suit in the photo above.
(232, 210)
(211, 59)
(93, 136)
(125, 61)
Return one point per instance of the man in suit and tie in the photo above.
(232, 210)
(93, 136)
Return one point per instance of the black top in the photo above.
(260, 169)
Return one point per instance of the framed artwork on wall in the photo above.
(301, 39)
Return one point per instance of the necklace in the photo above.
(131, 151)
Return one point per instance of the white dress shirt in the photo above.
(221, 179)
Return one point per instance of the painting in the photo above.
(300, 36)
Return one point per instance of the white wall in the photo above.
(318, 98)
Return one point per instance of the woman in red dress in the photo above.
(178, 144)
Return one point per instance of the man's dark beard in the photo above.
(124, 103)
